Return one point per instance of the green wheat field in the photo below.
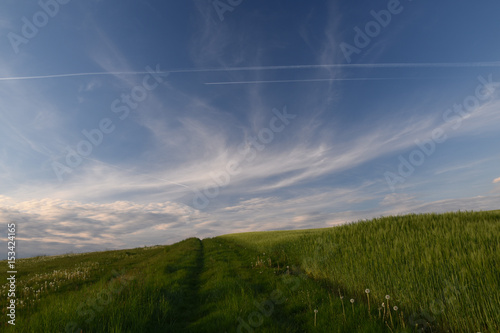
(413, 273)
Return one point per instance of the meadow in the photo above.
(413, 273)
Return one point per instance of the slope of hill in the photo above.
(442, 270)
(431, 273)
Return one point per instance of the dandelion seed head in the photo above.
(367, 291)
(352, 300)
(383, 305)
(315, 310)
(395, 308)
(387, 297)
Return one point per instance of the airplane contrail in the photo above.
(67, 75)
(366, 65)
(315, 80)
(262, 68)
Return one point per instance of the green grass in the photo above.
(129, 290)
(441, 271)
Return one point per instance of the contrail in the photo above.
(265, 68)
(380, 65)
(314, 80)
(67, 75)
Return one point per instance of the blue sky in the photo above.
(131, 123)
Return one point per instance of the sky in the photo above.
(138, 123)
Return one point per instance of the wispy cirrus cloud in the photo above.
(325, 168)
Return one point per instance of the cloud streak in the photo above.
(324, 168)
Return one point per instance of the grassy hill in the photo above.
(433, 273)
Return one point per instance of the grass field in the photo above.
(433, 273)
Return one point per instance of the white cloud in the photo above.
(52, 226)
(119, 224)
(496, 180)
(397, 199)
